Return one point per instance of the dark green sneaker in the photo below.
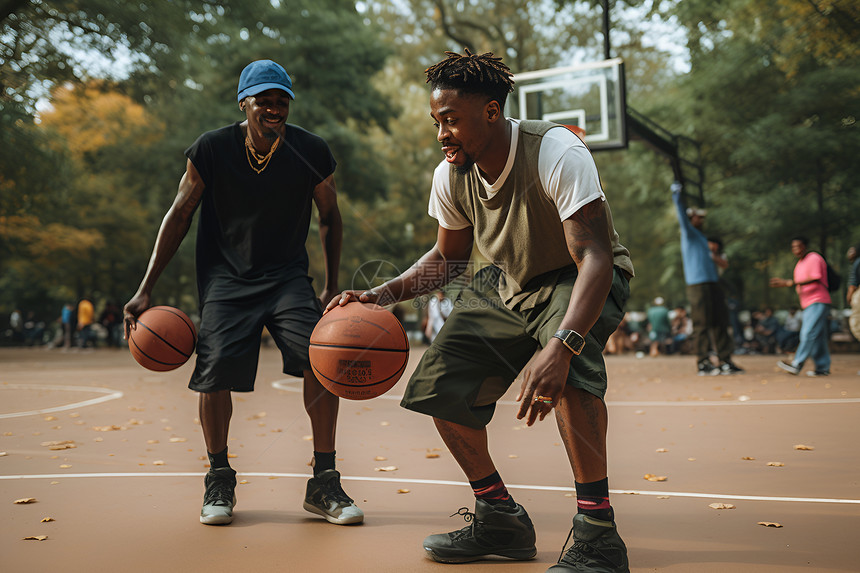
(490, 531)
(326, 497)
(220, 496)
(597, 548)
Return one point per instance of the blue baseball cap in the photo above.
(263, 75)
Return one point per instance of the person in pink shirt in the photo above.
(810, 282)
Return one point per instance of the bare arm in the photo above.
(173, 229)
(587, 236)
(331, 234)
(445, 261)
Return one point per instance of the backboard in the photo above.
(590, 97)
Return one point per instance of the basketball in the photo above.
(163, 339)
(359, 351)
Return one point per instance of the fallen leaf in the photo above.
(111, 428)
(35, 538)
(178, 440)
(569, 495)
(431, 455)
(232, 455)
(802, 447)
(47, 519)
(244, 481)
(661, 450)
(662, 497)
(158, 463)
(3, 454)
(652, 477)
(380, 459)
(511, 456)
(307, 438)
(257, 416)
(403, 490)
(59, 445)
(25, 500)
(747, 458)
(49, 418)
(384, 423)
(151, 441)
(691, 459)
(65, 466)
(54, 482)
(769, 524)
(775, 464)
(385, 469)
(721, 506)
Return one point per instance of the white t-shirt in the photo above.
(566, 169)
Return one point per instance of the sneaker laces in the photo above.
(467, 531)
(578, 552)
(219, 492)
(332, 491)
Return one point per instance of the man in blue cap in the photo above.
(254, 183)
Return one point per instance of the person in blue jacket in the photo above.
(708, 308)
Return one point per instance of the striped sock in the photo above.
(592, 499)
(492, 490)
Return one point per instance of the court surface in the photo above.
(113, 454)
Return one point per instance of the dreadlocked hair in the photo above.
(483, 74)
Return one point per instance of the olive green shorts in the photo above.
(483, 346)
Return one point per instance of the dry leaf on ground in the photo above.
(775, 464)
(25, 500)
(652, 477)
(380, 459)
(385, 469)
(403, 490)
(721, 506)
(747, 458)
(35, 538)
(47, 519)
(769, 524)
(661, 450)
(178, 440)
(431, 455)
(802, 447)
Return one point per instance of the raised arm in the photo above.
(173, 229)
(331, 234)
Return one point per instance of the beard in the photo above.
(466, 167)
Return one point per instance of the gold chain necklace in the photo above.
(262, 160)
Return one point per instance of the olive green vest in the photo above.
(522, 204)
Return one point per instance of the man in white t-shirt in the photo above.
(528, 196)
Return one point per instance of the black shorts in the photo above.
(228, 345)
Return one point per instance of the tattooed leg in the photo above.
(581, 419)
(469, 448)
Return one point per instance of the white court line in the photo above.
(447, 482)
(290, 385)
(110, 395)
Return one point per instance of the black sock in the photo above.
(592, 499)
(218, 460)
(492, 490)
(323, 461)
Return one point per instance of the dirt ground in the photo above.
(114, 458)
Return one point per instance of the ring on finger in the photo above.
(543, 399)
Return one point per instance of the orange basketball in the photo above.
(359, 351)
(163, 339)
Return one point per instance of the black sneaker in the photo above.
(491, 531)
(220, 496)
(706, 368)
(326, 497)
(817, 373)
(790, 368)
(597, 548)
(728, 367)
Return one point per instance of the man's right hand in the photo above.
(348, 296)
(676, 187)
(133, 309)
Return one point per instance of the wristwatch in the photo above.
(572, 339)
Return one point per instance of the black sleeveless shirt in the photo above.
(253, 226)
